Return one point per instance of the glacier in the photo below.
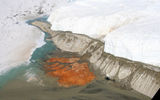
(129, 29)
(141, 77)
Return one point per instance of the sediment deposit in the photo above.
(69, 71)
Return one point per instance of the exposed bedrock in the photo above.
(141, 77)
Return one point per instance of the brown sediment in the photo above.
(69, 71)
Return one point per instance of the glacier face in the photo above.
(129, 29)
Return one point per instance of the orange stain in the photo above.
(69, 71)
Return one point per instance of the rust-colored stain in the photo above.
(69, 71)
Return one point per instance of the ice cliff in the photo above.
(130, 74)
(130, 29)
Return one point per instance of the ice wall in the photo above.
(130, 74)
(102, 18)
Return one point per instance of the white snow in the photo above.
(138, 41)
(130, 29)
(17, 39)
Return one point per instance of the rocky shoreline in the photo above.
(141, 77)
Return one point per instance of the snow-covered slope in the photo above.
(137, 41)
(17, 39)
(129, 28)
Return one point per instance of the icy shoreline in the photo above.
(18, 40)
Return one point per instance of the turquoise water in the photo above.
(38, 55)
